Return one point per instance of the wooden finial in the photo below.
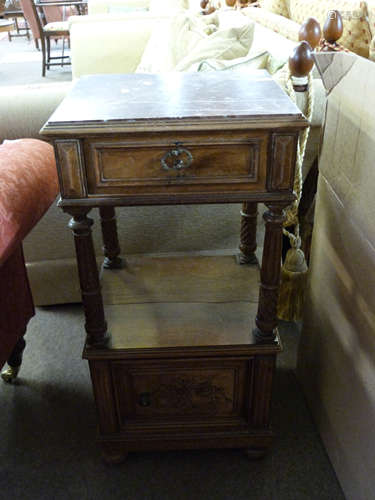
(301, 63)
(333, 27)
(231, 3)
(310, 32)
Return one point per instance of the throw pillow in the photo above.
(241, 64)
(356, 36)
(157, 56)
(229, 43)
(279, 7)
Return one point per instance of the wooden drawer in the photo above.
(172, 162)
(181, 390)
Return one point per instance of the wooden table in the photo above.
(7, 25)
(182, 363)
(14, 15)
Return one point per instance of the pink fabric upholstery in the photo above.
(28, 186)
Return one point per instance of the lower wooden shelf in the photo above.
(182, 369)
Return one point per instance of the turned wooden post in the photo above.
(111, 247)
(96, 326)
(266, 319)
(301, 63)
(248, 240)
(310, 32)
(333, 28)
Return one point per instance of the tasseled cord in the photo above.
(294, 269)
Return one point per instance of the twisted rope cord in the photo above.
(285, 79)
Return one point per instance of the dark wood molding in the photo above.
(96, 326)
(248, 235)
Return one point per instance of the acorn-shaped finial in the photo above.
(301, 61)
(310, 32)
(333, 27)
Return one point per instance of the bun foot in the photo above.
(255, 453)
(113, 454)
(250, 260)
(10, 374)
(114, 263)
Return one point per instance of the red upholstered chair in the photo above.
(28, 186)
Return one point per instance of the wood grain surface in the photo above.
(100, 102)
(180, 279)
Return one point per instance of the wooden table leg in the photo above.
(266, 319)
(14, 361)
(96, 326)
(111, 247)
(248, 241)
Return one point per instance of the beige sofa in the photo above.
(336, 360)
(49, 248)
(286, 16)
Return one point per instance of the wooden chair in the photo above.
(44, 33)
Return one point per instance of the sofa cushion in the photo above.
(356, 36)
(184, 41)
(110, 6)
(227, 44)
(28, 186)
(279, 7)
(279, 24)
(241, 64)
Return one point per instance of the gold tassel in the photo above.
(293, 285)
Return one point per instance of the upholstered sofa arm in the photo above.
(25, 108)
(108, 6)
(114, 46)
(279, 24)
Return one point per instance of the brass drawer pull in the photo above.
(177, 159)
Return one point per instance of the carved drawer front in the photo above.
(158, 391)
(157, 164)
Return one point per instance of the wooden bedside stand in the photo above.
(188, 358)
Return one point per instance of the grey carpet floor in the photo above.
(48, 427)
(48, 422)
(21, 63)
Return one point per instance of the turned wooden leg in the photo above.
(14, 362)
(111, 247)
(266, 319)
(96, 326)
(248, 242)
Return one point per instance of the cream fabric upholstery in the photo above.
(356, 36)
(104, 6)
(336, 355)
(278, 24)
(27, 107)
(184, 41)
(279, 7)
(168, 6)
(371, 16)
(226, 44)
(103, 47)
(57, 26)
